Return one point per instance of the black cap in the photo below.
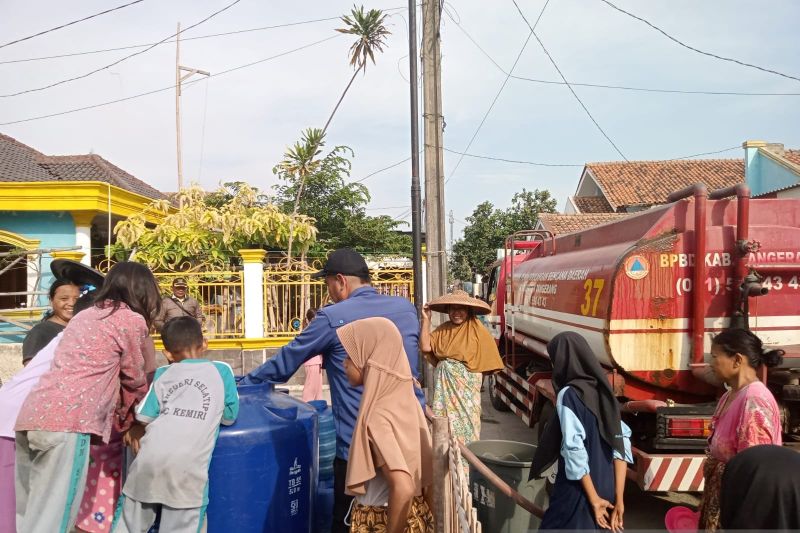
(344, 261)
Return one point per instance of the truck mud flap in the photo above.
(516, 394)
(667, 472)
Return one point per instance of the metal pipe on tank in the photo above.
(741, 270)
(700, 194)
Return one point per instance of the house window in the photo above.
(15, 279)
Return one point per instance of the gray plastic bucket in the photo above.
(511, 461)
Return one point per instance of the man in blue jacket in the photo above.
(347, 277)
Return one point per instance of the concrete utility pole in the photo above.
(178, 81)
(452, 220)
(434, 172)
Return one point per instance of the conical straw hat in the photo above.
(459, 297)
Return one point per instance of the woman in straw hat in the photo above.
(462, 349)
(391, 453)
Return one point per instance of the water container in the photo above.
(327, 439)
(263, 473)
(327, 452)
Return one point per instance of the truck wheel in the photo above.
(497, 402)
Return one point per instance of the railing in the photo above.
(289, 294)
(220, 295)
(453, 500)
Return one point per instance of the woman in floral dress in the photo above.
(462, 349)
(747, 414)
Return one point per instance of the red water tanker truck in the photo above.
(648, 293)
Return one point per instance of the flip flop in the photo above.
(681, 519)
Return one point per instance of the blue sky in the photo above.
(236, 126)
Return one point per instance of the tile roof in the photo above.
(560, 224)
(19, 162)
(592, 204)
(650, 182)
(792, 156)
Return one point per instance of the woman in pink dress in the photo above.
(312, 387)
(747, 414)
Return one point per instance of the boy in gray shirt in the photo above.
(186, 403)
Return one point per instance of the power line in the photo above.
(118, 61)
(492, 158)
(168, 88)
(608, 86)
(386, 208)
(382, 170)
(586, 109)
(183, 39)
(71, 23)
(653, 90)
(693, 49)
(737, 147)
(497, 96)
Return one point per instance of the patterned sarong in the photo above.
(457, 395)
(367, 519)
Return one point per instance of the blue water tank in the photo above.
(263, 472)
(327, 453)
(327, 439)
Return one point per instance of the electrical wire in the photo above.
(608, 86)
(652, 90)
(383, 170)
(697, 50)
(71, 23)
(170, 87)
(737, 147)
(492, 158)
(497, 96)
(183, 39)
(118, 61)
(586, 109)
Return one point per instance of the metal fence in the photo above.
(220, 295)
(289, 294)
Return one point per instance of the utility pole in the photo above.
(416, 222)
(452, 220)
(435, 236)
(178, 81)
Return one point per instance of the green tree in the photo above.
(370, 31)
(374, 234)
(525, 208)
(300, 160)
(484, 233)
(202, 234)
(338, 207)
(489, 227)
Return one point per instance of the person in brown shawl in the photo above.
(462, 349)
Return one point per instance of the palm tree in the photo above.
(371, 33)
(301, 161)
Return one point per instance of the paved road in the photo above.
(642, 510)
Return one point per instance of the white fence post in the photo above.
(253, 280)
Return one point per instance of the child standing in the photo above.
(96, 378)
(588, 439)
(312, 387)
(390, 456)
(183, 410)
